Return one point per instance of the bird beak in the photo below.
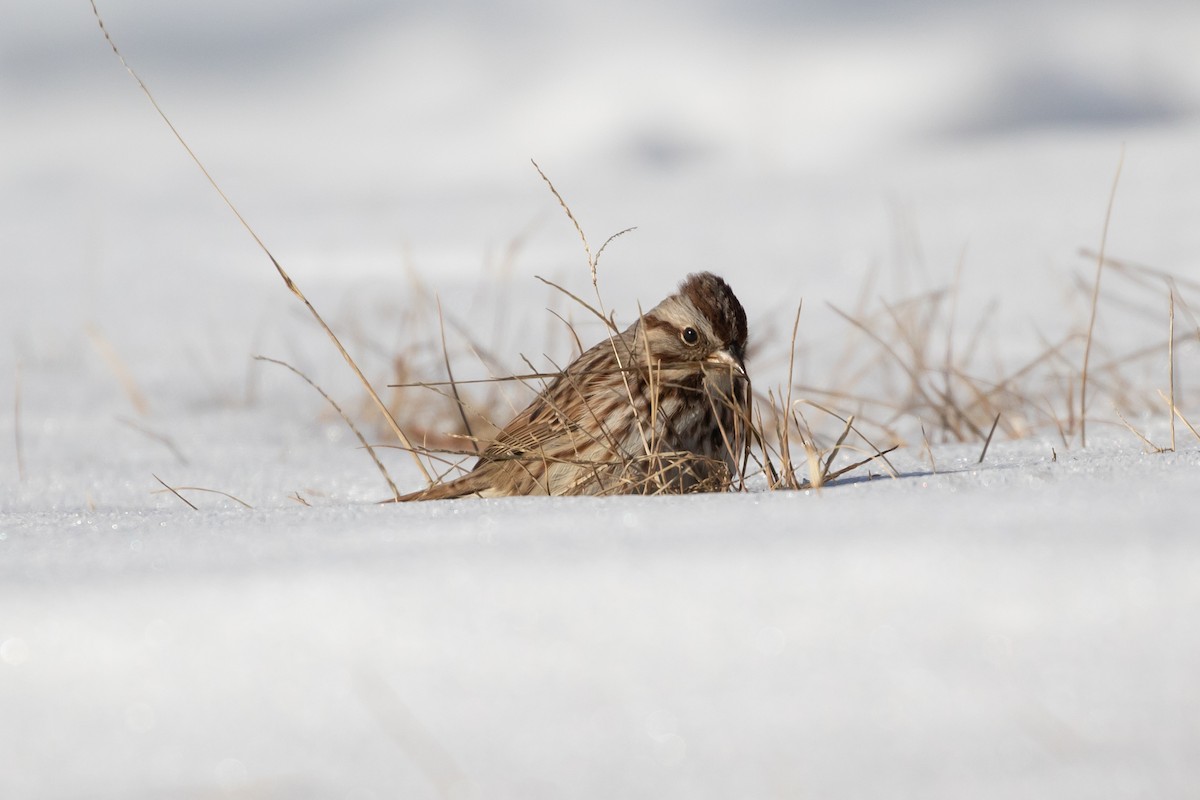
(726, 359)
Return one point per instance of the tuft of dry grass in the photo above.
(655, 472)
(904, 372)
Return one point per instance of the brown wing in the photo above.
(557, 417)
(529, 431)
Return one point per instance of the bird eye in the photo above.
(690, 336)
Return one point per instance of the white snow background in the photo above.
(1024, 627)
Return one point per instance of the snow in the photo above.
(1024, 626)
(1024, 629)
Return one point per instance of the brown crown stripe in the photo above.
(713, 298)
(652, 322)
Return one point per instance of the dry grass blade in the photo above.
(118, 367)
(1177, 413)
(600, 314)
(173, 491)
(162, 439)
(1087, 350)
(287, 279)
(1114, 364)
(227, 495)
(611, 239)
(908, 368)
(362, 439)
(1153, 448)
(816, 473)
(571, 216)
(948, 361)
(882, 454)
(1171, 359)
(20, 451)
(1129, 266)
(485, 355)
(836, 448)
(766, 464)
(522, 377)
(458, 401)
(928, 450)
(849, 422)
(593, 261)
(785, 429)
(987, 442)
(579, 348)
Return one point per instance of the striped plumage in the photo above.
(661, 407)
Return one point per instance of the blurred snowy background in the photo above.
(1020, 629)
(796, 144)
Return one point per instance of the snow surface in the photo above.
(1021, 627)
